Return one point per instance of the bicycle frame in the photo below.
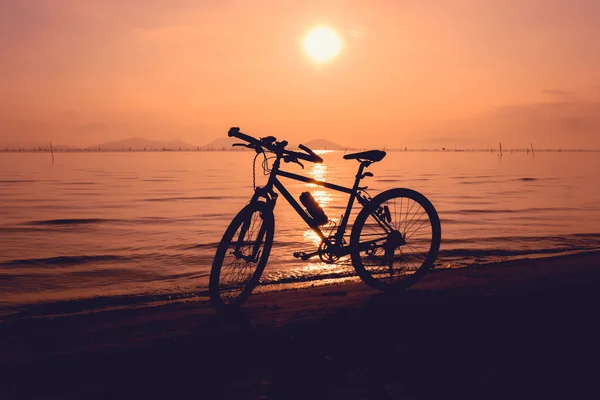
(273, 182)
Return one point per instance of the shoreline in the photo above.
(82, 306)
(516, 328)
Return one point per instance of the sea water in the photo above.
(94, 230)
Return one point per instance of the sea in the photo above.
(97, 230)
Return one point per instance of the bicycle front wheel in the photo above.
(241, 256)
(395, 239)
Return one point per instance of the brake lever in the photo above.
(258, 149)
(294, 160)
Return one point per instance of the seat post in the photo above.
(344, 222)
(361, 168)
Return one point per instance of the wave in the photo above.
(17, 181)
(484, 253)
(506, 240)
(194, 246)
(70, 221)
(64, 260)
(184, 198)
(279, 280)
(473, 176)
(478, 182)
(94, 221)
(512, 210)
(450, 221)
(404, 179)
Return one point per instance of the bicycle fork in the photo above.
(255, 255)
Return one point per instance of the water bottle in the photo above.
(313, 208)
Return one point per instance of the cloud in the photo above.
(86, 131)
(552, 124)
(556, 92)
(556, 124)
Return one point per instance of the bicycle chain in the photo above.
(254, 172)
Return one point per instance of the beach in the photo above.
(520, 329)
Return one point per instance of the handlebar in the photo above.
(273, 146)
(235, 132)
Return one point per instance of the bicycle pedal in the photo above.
(299, 254)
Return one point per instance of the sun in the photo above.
(322, 44)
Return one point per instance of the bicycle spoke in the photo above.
(407, 214)
(412, 234)
(237, 269)
(411, 223)
(396, 214)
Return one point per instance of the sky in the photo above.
(423, 73)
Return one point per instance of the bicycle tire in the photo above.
(231, 284)
(378, 268)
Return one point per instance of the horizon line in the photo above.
(224, 149)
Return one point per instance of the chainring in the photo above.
(327, 251)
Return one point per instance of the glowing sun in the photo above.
(322, 44)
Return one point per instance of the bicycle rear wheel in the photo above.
(241, 256)
(395, 239)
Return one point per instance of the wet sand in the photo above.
(518, 329)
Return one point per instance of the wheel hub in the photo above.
(394, 240)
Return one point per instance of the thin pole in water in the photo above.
(532, 152)
(52, 151)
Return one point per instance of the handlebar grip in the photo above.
(235, 132)
(308, 157)
(311, 156)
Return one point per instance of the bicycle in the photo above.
(387, 252)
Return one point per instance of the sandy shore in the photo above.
(519, 329)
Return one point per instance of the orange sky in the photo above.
(417, 73)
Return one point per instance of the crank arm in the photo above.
(305, 256)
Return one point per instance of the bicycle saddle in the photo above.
(371, 155)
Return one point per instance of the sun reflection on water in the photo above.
(311, 237)
(318, 172)
(314, 268)
(324, 198)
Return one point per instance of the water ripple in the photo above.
(64, 260)
(70, 221)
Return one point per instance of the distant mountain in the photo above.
(144, 144)
(222, 143)
(45, 146)
(317, 144)
(323, 144)
(55, 147)
(137, 144)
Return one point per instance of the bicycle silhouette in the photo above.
(394, 240)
